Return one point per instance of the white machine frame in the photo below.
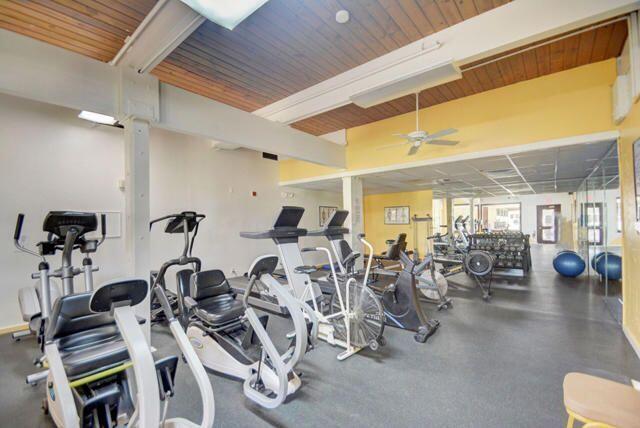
(147, 402)
(281, 378)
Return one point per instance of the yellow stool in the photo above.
(600, 403)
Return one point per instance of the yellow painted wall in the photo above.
(630, 132)
(420, 203)
(572, 102)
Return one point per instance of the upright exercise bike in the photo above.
(402, 308)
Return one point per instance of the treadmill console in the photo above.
(285, 229)
(334, 229)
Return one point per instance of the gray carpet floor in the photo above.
(490, 365)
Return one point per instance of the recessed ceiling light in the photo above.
(227, 13)
(97, 118)
(342, 16)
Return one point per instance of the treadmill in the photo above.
(286, 234)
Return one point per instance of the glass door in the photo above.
(547, 223)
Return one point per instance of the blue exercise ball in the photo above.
(611, 265)
(595, 258)
(568, 263)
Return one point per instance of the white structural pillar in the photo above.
(472, 217)
(352, 201)
(136, 136)
(450, 225)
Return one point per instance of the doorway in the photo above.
(547, 224)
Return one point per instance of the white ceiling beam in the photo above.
(184, 112)
(167, 25)
(38, 71)
(501, 29)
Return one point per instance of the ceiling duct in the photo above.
(497, 174)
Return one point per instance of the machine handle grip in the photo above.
(103, 224)
(361, 235)
(308, 249)
(18, 231)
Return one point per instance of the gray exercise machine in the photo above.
(66, 232)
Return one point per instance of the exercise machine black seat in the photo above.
(216, 302)
(87, 341)
(395, 247)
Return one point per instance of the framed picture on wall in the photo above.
(636, 177)
(325, 214)
(396, 215)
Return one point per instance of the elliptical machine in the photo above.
(186, 223)
(66, 232)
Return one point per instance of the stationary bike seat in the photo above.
(306, 269)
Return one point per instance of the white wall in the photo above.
(51, 160)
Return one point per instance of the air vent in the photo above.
(501, 173)
(269, 156)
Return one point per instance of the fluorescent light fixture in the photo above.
(410, 83)
(227, 13)
(97, 118)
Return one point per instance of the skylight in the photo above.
(227, 13)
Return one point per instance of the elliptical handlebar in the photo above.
(366, 243)
(18, 231)
(16, 239)
(103, 228)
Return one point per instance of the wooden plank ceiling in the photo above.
(588, 47)
(95, 28)
(289, 45)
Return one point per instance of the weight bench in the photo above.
(600, 403)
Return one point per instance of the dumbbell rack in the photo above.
(511, 249)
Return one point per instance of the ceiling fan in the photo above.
(419, 137)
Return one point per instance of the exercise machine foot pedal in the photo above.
(100, 409)
(426, 331)
(166, 372)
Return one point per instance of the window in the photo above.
(591, 218)
(501, 216)
(463, 210)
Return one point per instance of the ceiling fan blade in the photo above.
(413, 150)
(442, 133)
(389, 146)
(401, 135)
(442, 142)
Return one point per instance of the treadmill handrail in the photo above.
(280, 232)
(329, 231)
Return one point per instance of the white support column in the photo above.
(352, 201)
(450, 225)
(136, 141)
(472, 216)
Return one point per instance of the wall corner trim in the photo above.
(629, 336)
